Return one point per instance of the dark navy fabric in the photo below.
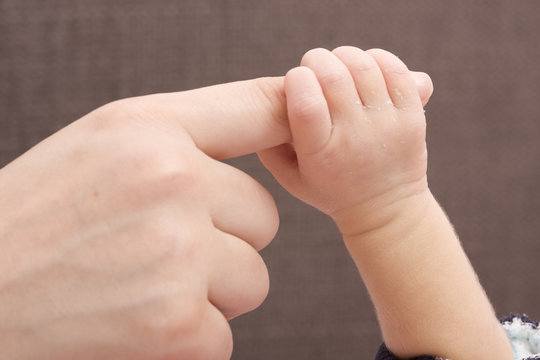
(385, 354)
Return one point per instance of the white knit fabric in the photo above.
(524, 337)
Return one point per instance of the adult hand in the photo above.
(121, 238)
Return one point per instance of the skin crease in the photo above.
(117, 236)
(359, 155)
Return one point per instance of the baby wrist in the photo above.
(378, 214)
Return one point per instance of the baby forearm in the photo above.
(426, 294)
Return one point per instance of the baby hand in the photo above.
(358, 130)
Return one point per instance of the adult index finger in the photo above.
(226, 120)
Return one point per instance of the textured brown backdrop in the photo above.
(59, 59)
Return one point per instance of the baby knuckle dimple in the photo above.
(378, 52)
(314, 54)
(333, 78)
(344, 48)
(356, 59)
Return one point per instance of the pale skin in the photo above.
(122, 236)
(358, 153)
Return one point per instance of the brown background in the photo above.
(59, 59)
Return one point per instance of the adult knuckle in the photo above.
(261, 281)
(227, 347)
(141, 157)
(216, 346)
(177, 172)
(273, 220)
(113, 113)
(112, 109)
(267, 214)
(163, 168)
(171, 323)
(271, 225)
(169, 244)
(182, 333)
